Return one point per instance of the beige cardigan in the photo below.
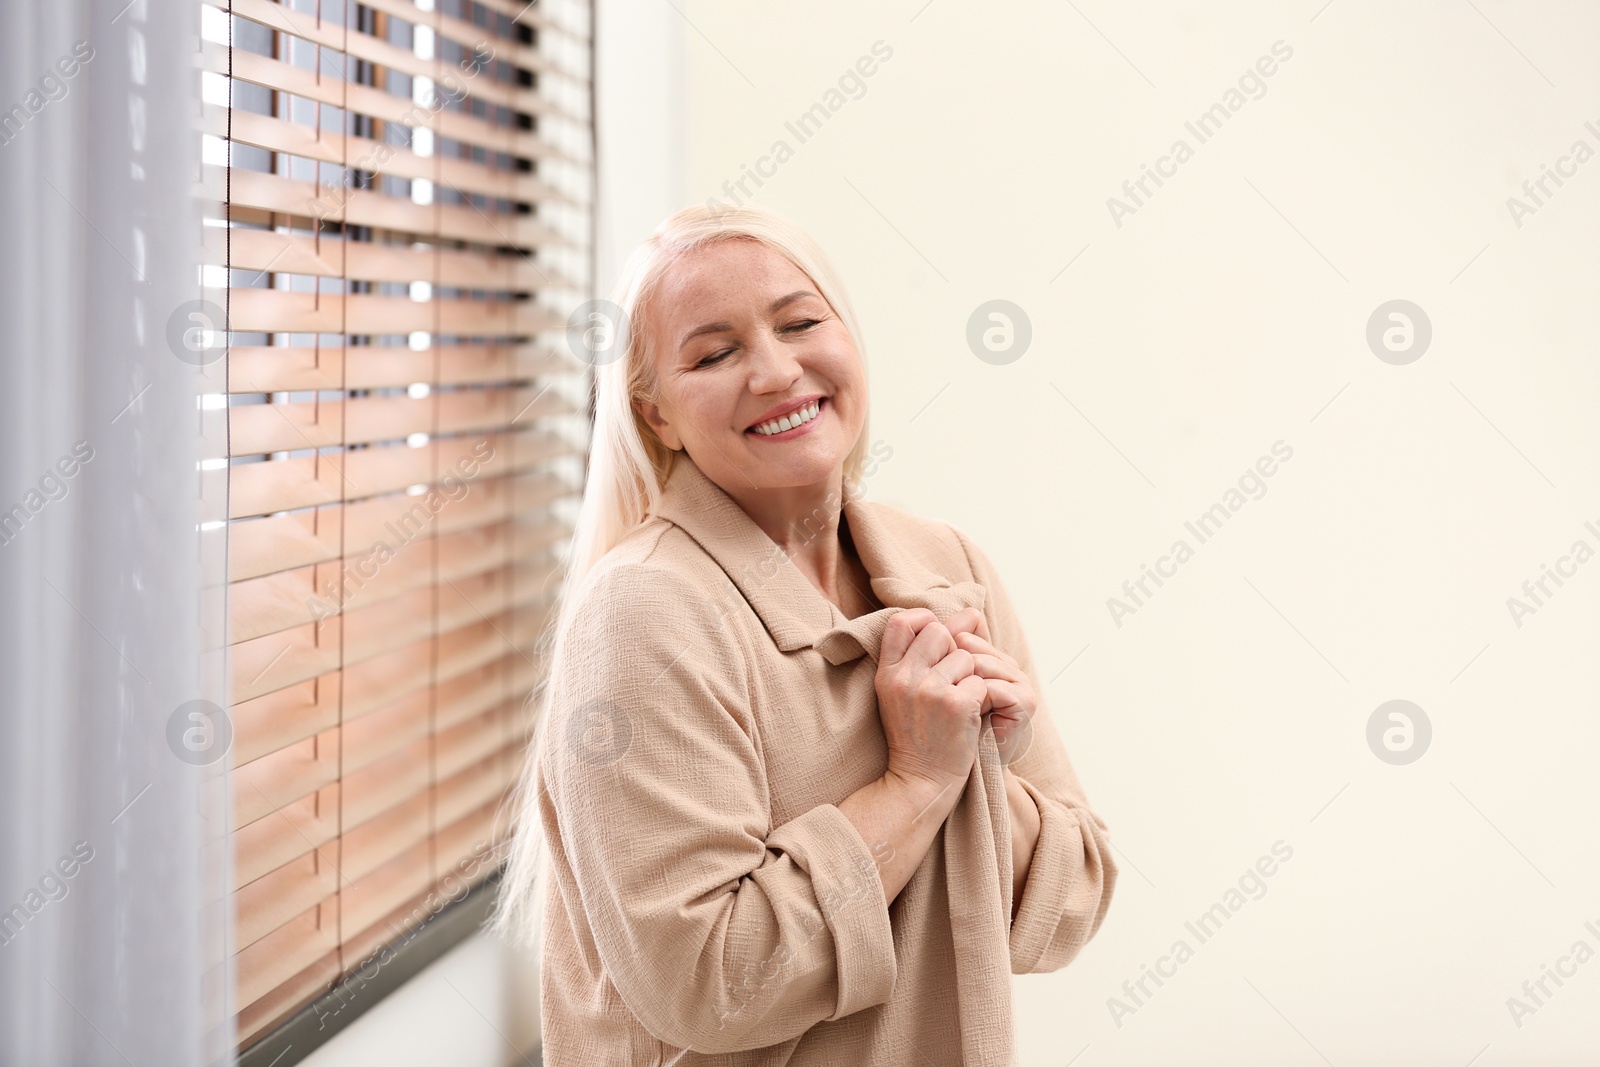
(707, 901)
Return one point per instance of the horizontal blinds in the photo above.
(405, 188)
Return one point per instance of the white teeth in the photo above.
(789, 422)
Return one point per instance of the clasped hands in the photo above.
(935, 682)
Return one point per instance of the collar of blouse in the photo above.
(794, 612)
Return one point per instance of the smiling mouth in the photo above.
(786, 426)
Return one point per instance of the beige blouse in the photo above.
(707, 902)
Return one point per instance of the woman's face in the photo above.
(741, 337)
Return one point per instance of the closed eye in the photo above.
(794, 327)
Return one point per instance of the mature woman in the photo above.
(802, 798)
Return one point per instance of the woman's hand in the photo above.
(1011, 697)
(930, 700)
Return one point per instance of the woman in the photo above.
(802, 799)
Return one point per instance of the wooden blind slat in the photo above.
(280, 804)
(287, 484)
(308, 201)
(368, 899)
(386, 667)
(382, 809)
(285, 832)
(367, 100)
(292, 598)
(403, 437)
(377, 840)
(307, 482)
(473, 693)
(521, 13)
(390, 729)
(285, 369)
(286, 311)
(467, 842)
(285, 427)
(276, 898)
(286, 997)
(286, 951)
(462, 175)
(286, 542)
(281, 542)
(273, 722)
(479, 786)
(469, 743)
(332, 36)
(330, 257)
(389, 900)
(463, 33)
(269, 785)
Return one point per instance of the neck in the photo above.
(804, 521)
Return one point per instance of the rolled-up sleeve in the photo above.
(1072, 874)
(720, 931)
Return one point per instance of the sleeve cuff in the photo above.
(849, 891)
(1047, 892)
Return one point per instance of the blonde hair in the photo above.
(628, 466)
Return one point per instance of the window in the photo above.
(403, 224)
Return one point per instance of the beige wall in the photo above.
(1227, 313)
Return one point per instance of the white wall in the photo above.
(1227, 313)
(640, 88)
(475, 1006)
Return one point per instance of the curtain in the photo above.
(111, 750)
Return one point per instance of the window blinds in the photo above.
(403, 192)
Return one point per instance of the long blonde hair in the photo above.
(628, 466)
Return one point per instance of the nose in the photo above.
(773, 366)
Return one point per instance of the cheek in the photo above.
(843, 362)
(843, 368)
(703, 407)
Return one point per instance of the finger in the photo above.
(995, 667)
(968, 620)
(977, 690)
(975, 643)
(955, 666)
(982, 648)
(1012, 738)
(932, 644)
(902, 629)
(1007, 697)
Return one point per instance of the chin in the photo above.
(806, 470)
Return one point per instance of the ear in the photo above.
(651, 413)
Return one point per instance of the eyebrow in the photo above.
(721, 327)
